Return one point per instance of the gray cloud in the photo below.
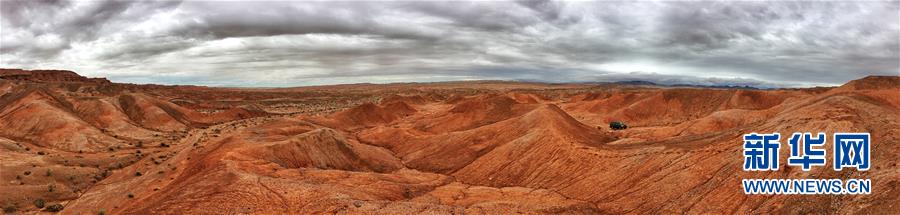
(284, 43)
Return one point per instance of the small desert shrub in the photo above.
(55, 207)
(50, 188)
(10, 208)
(137, 174)
(39, 203)
(130, 195)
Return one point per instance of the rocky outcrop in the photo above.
(47, 76)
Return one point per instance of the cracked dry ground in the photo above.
(433, 148)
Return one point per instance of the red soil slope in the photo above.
(437, 149)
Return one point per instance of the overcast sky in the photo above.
(295, 43)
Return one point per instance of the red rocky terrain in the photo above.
(484, 147)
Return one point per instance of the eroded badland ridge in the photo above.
(468, 147)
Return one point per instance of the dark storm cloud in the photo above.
(63, 22)
(287, 43)
(709, 26)
(242, 19)
(14, 12)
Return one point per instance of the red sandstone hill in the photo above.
(483, 148)
(872, 83)
(368, 114)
